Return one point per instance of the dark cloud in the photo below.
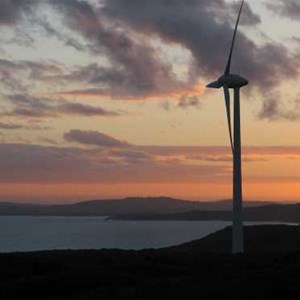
(22, 39)
(31, 112)
(189, 101)
(120, 31)
(11, 10)
(184, 102)
(36, 124)
(85, 110)
(285, 8)
(26, 105)
(47, 140)
(166, 105)
(10, 126)
(274, 110)
(28, 126)
(64, 37)
(93, 138)
(200, 27)
(14, 11)
(131, 155)
(270, 109)
(18, 76)
(250, 18)
(136, 69)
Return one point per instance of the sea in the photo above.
(26, 234)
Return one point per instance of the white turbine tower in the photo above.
(235, 82)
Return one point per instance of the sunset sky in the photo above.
(107, 99)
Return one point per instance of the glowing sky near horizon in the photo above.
(105, 99)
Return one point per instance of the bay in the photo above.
(20, 234)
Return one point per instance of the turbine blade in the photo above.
(214, 85)
(227, 70)
(227, 103)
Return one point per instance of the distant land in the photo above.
(201, 269)
(289, 213)
(117, 207)
(158, 208)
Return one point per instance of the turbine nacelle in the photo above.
(233, 81)
(230, 81)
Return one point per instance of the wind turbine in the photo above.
(232, 81)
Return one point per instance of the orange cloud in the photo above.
(196, 90)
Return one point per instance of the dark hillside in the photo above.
(198, 270)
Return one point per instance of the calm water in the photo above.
(48, 233)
